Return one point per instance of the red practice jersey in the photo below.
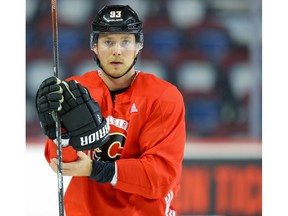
(147, 138)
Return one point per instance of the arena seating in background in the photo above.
(236, 76)
(209, 37)
(32, 7)
(75, 13)
(80, 61)
(192, 12)
(196, 78)
(161, 37)
(148, 62)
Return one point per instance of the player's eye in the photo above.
(125, 43)
(108, 43)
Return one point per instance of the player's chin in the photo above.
(116, 75)
(116, 72)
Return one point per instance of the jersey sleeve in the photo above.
(162, 142)
(68, 153)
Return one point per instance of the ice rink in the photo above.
(41, 189)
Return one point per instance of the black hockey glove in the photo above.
(102, 171)
(81, 116)
(48, 99)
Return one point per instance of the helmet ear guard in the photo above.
(93, 38)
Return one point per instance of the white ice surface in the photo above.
(41, 191)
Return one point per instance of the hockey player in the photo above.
(123, 130)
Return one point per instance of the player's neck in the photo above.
(120, 83)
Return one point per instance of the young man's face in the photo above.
(116, 52)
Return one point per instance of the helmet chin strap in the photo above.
(114, 77)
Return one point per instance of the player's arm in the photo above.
(158, 169)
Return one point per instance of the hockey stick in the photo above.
(55, 116)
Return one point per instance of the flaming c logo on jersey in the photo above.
(112, 149)
(115, 149)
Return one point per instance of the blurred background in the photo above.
(212, 51)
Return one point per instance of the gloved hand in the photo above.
(82, 118)
(48, 99)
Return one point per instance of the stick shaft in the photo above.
(55, 37)
(55, 115)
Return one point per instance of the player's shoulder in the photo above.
(87, 79)
(153, 86)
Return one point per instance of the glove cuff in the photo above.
(102, 171)
(92, 139)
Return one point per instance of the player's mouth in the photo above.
(115, 63)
